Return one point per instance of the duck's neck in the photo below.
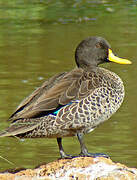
(90, 68)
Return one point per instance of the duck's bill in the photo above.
(113, 58)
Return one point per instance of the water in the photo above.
(38, 40)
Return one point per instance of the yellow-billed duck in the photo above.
(72, 103)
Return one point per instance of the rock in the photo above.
(79, 168)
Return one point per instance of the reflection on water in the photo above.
(37, 40)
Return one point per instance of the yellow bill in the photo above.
(113, 58)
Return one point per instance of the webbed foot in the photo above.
(84, 151)
(94, 155)
(66, 156)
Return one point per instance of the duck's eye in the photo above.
(98, 45)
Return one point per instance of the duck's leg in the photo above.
(61, 150)
(84, 150)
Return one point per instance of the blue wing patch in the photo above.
(57, 110)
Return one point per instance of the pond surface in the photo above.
(37, 40)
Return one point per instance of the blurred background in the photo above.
(37, 40)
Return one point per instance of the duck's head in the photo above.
(94, 51)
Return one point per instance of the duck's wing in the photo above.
(46, 86)
(24, 105)
(58, 91)
(55, 93)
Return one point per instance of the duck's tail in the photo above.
(20, 126)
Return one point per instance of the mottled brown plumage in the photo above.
(72, 103)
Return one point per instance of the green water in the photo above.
(37, 40)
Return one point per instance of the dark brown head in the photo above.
(94, 51)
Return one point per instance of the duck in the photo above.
(72, 103)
